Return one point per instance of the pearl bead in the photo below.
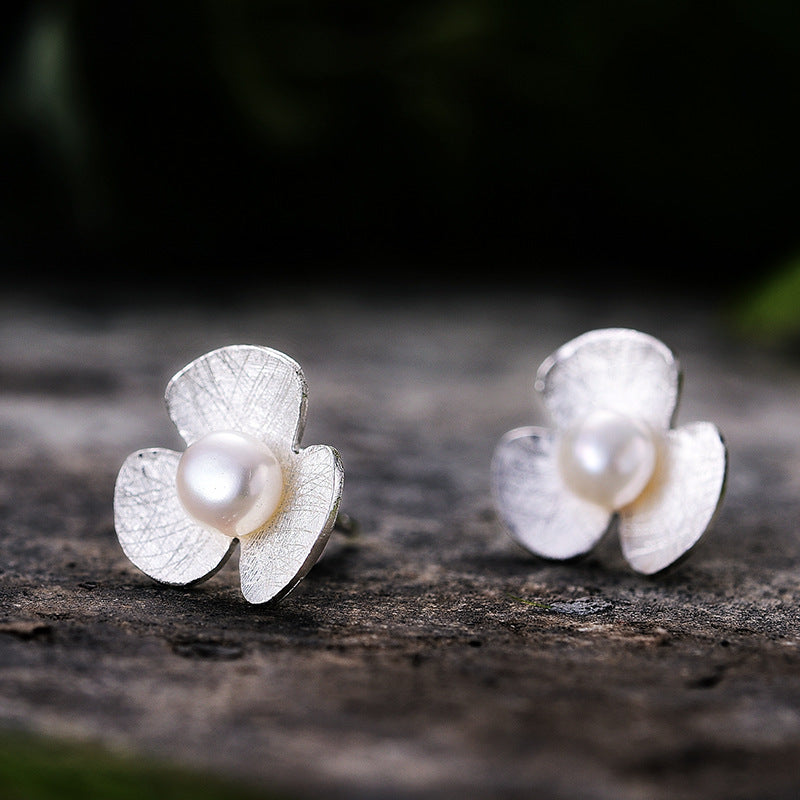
(229, 481)
(608, 458)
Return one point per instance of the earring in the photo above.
(612, 454)
(242, 478)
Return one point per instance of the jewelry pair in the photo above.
(612, 455)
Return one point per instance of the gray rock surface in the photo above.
(429, 656)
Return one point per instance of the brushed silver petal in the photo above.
(246, 388)
(613, 368)
(539, 512)
(153, 529)
(679, 505)
(275, 559)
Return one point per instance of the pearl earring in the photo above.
(242, 478)
(612, 452)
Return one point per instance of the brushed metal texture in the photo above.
(274, 559)
(154, 531)
(536, 508)
(618, 369)
(254, 390)
(245, 388)
(679, 505)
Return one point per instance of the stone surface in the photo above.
(429, 656)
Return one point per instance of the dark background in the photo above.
(220, 149)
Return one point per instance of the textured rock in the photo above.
(429, 656)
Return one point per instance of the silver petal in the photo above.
(153, 529)
(246, 388)
(275, 559)
(532, 502)
(614, 368)
(678, 507)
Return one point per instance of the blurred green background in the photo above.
(627, 145)
(33, 768)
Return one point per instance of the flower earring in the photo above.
(612, 453)
(242, 478)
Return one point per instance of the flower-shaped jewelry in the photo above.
(242, 478)
(612, 453)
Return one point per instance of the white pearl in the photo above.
(608, 458)
(229, 481)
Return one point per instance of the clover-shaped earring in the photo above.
(612, 453)
(242, 478)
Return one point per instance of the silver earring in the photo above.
(612, 453)
(242, 478)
